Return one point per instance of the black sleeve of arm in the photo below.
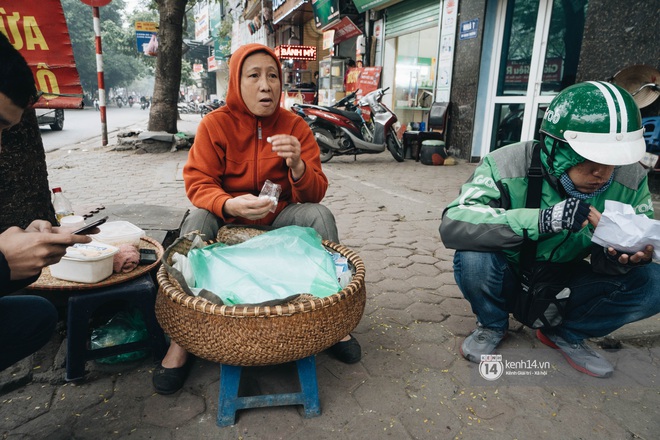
(8, 286)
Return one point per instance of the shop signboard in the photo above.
(202, 22)
(369, 79)
(282, 8)
(144, 30)
(293, 52)
(211, 64)
(345, 30)
(328, 39)
(447, 47)
(365, 5)
(517, 71)
(326, 12)
(38, 30)
(364, 79)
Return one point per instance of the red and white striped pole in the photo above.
(99, 73)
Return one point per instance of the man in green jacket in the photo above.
(591, 142)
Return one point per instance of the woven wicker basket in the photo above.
(252, 335)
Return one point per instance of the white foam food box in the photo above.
(85, 263)
(119, 232)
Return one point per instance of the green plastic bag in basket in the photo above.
(274, 265)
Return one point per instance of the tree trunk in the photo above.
(163, 113)
(24, 191)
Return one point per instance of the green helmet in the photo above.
(600, 121)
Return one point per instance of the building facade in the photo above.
(498, 62)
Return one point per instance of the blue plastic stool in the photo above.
(229, 402)
(140, 293)
(652, 134)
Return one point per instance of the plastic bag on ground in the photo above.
(273, 265)
(124, 327)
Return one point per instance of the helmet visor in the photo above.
(608, 148)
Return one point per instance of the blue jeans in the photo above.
(26, 324)
(599, 303)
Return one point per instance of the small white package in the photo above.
(271, 191)
(119, 232)
(624, 230)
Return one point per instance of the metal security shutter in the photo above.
(411, 15)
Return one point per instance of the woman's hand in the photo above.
(288, 148)
(248, 206)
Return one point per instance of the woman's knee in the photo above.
(203, 221)
(312, 215)
(326, 224)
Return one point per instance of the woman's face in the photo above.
(589, 176)
(260, 84)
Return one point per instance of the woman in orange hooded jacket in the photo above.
(237, 148)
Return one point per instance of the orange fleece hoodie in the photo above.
(231, 157)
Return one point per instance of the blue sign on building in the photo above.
(468, 29)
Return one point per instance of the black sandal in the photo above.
(348, 352)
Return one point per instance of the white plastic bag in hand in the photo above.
(619, 227)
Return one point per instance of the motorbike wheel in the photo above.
(326, 154)
(395, 146)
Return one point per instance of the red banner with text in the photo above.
(365, 79)
(37, 28)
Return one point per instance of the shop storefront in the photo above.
(537, 46)
(297, 80)
(411, 47)
(340, 25)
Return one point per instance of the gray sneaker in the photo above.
(482, 340)
(580, 356)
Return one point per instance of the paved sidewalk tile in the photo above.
(412, 382)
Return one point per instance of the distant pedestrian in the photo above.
(96, 104)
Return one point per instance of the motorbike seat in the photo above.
(353, 116)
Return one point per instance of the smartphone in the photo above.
(148, 256)
(87, 228)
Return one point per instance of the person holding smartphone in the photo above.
(26, 322)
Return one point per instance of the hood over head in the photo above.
(563, 156)
(234, 99)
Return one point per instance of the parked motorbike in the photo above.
(345, 131)
(208, 107)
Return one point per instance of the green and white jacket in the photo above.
(490, 214)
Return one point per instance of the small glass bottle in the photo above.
(61, 204)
